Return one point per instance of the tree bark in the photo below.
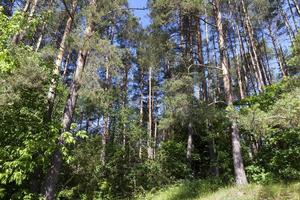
(53, 174)
(201, 60)
(287, 24)
(155, 139)
(278, 56)
(105, 135)
(40, 39)
(239, 170)
(268, 69)
(235, 55)
(253, 45)
(149, 141)
(58, 61)
(66, 64)
(141, 112)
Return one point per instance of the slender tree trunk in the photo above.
(105, 139)
(18, 37)
(297, 6)
(66, 64)
(256, 78)
(42, 30)
(201, 60)
(237, 62)
(189, 147)
(293, 16)
(26, 6)
(212, 150)
(283, 59)
(208, 62)
(106, 133)
(58, 62)
(216, 77)
(141, 113)
(243, 58)
(278, 56)
(253, 45)
(239, 170)
(149, 141)
(40, 39)
(155, 138)
(287, 24)
(53, 174)
(235, 55)
(87, 126)
(124, 89)
(268, 69)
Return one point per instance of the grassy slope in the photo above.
(206, 191)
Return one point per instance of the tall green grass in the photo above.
(207, 190)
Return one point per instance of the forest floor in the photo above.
(201, 190)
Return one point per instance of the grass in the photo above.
(204, 190)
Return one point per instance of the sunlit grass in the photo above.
(203, 190)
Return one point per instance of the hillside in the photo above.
(206, 191)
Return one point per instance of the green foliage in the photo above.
(273, 118)
(8, 28)
(170, 164)
(257, 174)
(294, 61)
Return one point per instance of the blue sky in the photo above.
(141, 14)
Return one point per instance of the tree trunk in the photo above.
(237, 62)
(212, 151)
(293, 16)
(105, 139)
(201, 60)
(235, 55)
(66, 64)
(26, 7)
(297, 6)
(58, 62)
(253, 45)
(149, 141)
(240, 174)
(278, 56)
(52, 177)
(243, 59)
(269, 72)
(18, 37)
(216, 72)
(40, 39)
(53, 174)
(155, 139)
(189, 147)
(287, 24)
(141, 113)
(105, 135)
